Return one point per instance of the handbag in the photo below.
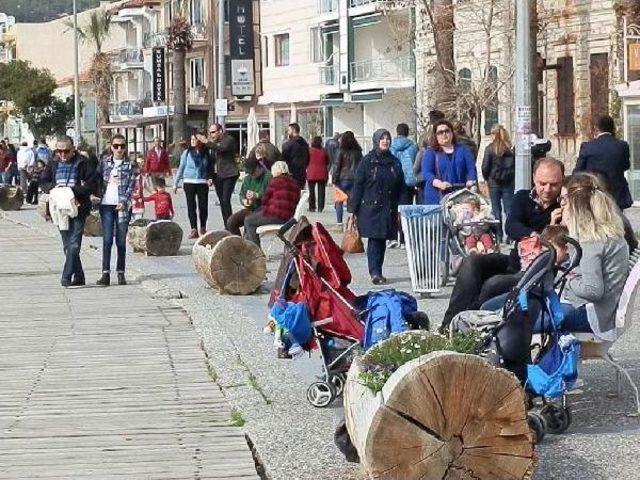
(352, 243)
(339, 195)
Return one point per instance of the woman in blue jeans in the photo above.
(117, 175)
(498, 170)
(349, 157)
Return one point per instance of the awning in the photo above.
(367, 96)
(332, 100)
(135, 122)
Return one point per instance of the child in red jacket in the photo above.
(162, 200)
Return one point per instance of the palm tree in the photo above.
(95, 32)
(180, 41)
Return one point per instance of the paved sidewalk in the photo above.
(102, 383)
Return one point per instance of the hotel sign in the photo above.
(241, 37)
(159, 82)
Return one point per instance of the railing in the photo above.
(199, 31)
(198, 95)
(393, 4)
(358, 3)
(401, 68)
(130, 55)
(7, 37)
(327, 6)
(156, 39)
(328, 74)
(129, 108)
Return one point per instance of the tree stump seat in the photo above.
(159, 239)
(11, 198)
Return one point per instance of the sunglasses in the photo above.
(66, 151)
(443, 132)
(118, 146)
(213, 131)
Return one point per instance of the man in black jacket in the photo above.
(482, 277)
(295, 152)
(609, 157)
(71, 170)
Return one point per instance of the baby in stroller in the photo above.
(475, 232)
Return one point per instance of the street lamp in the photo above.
(76, 77)
(523, 95)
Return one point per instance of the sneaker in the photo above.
(121, 279)
(105, 280)
(296, 350)
(193, 234)
(78, 282)
(393, 244)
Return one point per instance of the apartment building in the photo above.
(336, 65)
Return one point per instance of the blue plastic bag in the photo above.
(557, 370)
(294, 318)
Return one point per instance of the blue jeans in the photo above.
(112, 226)
(501, 198)
(346, 186)
(71, 245)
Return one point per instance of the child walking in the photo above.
(162, 200)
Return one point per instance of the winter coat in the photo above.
(157, 164)
(295, 153)
(375, 195)
(44, 153)
(437, 165)
(470, 143)
(281, 197)
(258, 185)
(83, 185)
(223, 155)
(128, 173)
(405, 150)
(346, 165)
(318, 169)
(195, 166)
(498, 171)
(332, 146)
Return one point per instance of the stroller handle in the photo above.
(575, 261)
(282, 231)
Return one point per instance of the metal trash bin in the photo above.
(422, 227)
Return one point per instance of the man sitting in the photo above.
(482, 277)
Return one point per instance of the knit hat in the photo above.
(279, 168)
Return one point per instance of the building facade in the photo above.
(336, 65)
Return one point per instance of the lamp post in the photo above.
(76, 76)
(523, 95)
(221, 72)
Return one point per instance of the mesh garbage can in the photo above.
(422, 226)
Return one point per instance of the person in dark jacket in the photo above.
(374, 201)
(71, 170)
(498, 170)
(317, 174)
(278, 203)
(223, 148)
(295, 153)
(272, 154)
(609, 157)
(344, 170)
(462, 137)
(332, 146)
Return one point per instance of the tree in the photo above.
(25, 86)
(95, 32)
(180, 41)
(52, 120)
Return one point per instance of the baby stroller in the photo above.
(454, 248)
(314, 272)
(546, 366)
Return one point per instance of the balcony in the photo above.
(198, 95)
(199, 31)
(7, 38)
(130, 58)
(384, 70)
(156, 39)
(328, 74)
(327, 6)
(128, 108)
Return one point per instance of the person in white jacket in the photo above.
(25, 159)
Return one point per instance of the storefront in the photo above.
(630, 97)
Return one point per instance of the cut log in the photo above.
(93, 225)
(43, 207)
(229, 263)
(11, 198)
(159, 239)
(442, 416)
(238, 267)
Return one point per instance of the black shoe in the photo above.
(78, 282)
(65, 283)
(378, 280)
(105, 280)
(121, 279)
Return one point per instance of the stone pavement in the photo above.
(103, 383)
(294, 440)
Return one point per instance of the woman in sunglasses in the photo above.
(446, 163)
(117, 176)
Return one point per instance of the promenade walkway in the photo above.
(102, 383)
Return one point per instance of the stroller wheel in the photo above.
(338, 381)
(558, 419)
(538, 426)
(320, 394)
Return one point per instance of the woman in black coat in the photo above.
(374, 201)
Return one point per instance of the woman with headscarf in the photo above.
(373, 203)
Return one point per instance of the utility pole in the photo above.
(523, 95)
(76, 77)
(221, 76)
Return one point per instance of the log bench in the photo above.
(11, 198)
(159, 239)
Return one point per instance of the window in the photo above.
(316, 45)
(464, 79)
(265, 51)
(281, 46)
(195, 12)
(197, 72)
(566, 97)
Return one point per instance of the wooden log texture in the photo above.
(238, 266)
(159, 239)
(203, 251)
(11, 198)
(93, 225)
(443, 416)
(42, 208)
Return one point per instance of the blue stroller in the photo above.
(546, 363)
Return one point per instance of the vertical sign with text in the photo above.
(159, 85)
(241, 38)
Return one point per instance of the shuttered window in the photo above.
(599, 73)
(566, 97)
